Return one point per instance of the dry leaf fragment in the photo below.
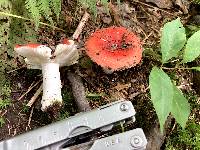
(161, 3)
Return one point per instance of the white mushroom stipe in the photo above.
(40, 57)
(51, 85)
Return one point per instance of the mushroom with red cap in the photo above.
(41, 57)
(114, 48)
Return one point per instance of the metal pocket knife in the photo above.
(81, 132)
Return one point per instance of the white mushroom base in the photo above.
(51, 85)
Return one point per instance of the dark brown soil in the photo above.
(145, 20)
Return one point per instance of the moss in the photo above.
(5, 89)
(2, 121)
(188, 138)
(185, 139)
(66, 109)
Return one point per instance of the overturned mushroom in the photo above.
(41, 57)
(114, 48)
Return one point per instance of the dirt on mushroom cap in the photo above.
(114, 48)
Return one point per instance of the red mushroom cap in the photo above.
(28, 45)
(65, 41)
(114, 48)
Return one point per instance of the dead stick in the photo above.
(81, 25)
(29, 119)
(35, 96)
(75, 80)
(16, 69)
(78, 92)
(29, 89)
(154, 7)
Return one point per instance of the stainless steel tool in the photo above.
(80, 132)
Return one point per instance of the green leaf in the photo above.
(180, 107)
(196, 68)
(44, 7)
(161, 90)
(56, 5)
(90, 4)
(2, 122)
(33, 8)
(173, 39)
(192, 50)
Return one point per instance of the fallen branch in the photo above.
(78, 92)
(75, 80)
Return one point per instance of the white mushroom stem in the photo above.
(51, 85)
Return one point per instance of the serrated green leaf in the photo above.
(180, 107)
(44, 7)
(173, 39)
(33, 8)
(118, 2)
(192, 49)
(90, 4)
(56, 6)
(196, 68)
(161, 90)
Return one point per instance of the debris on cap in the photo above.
(114, 48)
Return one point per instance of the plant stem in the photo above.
(166, 68)
(31, 20)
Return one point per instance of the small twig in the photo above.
(14, 132)
(29, 119)
(35, 96)
(174, 126)
(9, 129)
(29, 89)
(4, 113)
(143, 41)
(16, 69)
(166, 68)
(131, 96)
(81, 25)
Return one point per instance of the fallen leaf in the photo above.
(183, 4)
(161, 3)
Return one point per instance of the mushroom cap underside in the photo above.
(36, 53)
(65, 54)
(114, 48)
